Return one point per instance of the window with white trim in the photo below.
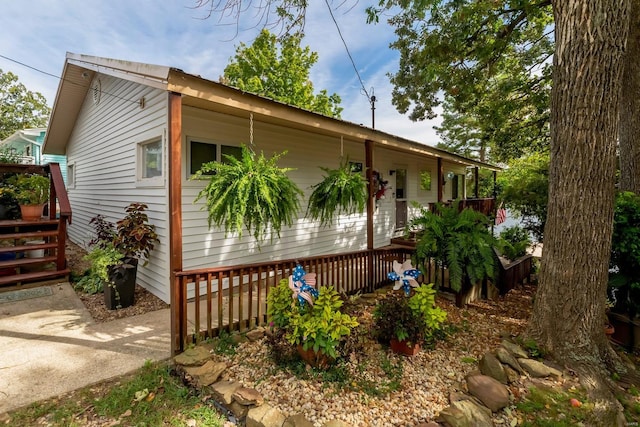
(151, 159)
(201, 151)
(71, 175)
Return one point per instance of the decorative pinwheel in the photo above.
(302, 284)
(404, 275)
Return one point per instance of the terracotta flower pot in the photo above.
(317, 360)
(31, 212)
(403, 347)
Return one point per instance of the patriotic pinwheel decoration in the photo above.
(404, 275)
(302, 284)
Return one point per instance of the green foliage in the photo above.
(252, 193)
(280, 305)
(32, 189)
(321, 327)
(459, 240)
(423, 302)
(624, 264)
(224, 344)
(551, 408)
(279, 68)
(480, 55)
(101, 258)
(20, 108)
(411, 319)
(524, 190)
(341, 191)
(513, 242)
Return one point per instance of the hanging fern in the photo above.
(251, 192)
(341, 191)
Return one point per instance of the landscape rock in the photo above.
(538, 369)
(514, 349)
(238, 339)
(512, 375)
(248, 396)
(493, 394)
(196, 356)
(507, 358)
(429, 424)
(239, 411)
(255, 334)
(465, 413)
(336, 423)
(223, 391)
(491, 366)
(264, 416)
(206, 374)
(297, 420)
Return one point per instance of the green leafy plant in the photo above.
(342, 190)
(280, 305)
(412, 319)
(513, 242)
(624, 264)
(7, 155)
(135, 238)
(321, 327)
(32, 189)
(101, 258)
(458, 240)
(251, 192)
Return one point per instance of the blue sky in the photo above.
(173, 33)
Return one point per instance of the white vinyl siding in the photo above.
(305, 153)
(103, 149)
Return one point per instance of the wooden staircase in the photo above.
(34, 251)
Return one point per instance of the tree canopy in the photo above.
(20, 108)
(279, 69)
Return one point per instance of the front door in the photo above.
(401, 197)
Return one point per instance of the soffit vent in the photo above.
(96, 91)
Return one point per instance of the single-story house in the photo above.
(137, 132)
(27, 144)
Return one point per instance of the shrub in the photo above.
(513, 242)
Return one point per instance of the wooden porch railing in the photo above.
(15, 268)
(486, 206)
(209, 301)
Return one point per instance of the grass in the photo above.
(553, 408)
(150, 397)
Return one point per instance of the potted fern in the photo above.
(458, 240)
(343, 190)
(251, 192)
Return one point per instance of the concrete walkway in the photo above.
(49, 345)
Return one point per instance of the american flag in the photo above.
(501, 215)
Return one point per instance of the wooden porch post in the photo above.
(476, 189)
(440, 179)
(368, 147)
(174, 140)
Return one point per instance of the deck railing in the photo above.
(209, 301)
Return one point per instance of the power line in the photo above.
(66, 80)
(371, 99)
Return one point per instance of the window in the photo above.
(151, 157)
(401, 183)
(71, 175)
(425, 180)
(201, 152)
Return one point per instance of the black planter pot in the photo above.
(121, 292)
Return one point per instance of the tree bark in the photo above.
(569, 309)
(630, 107)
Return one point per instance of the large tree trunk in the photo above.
(630, 107)
(569, 309)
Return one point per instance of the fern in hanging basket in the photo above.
(342, 190)
(251, 192)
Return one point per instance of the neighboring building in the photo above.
(27, 144)
(137, 132)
